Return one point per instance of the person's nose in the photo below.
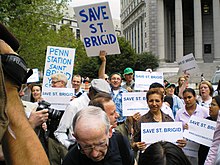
(116, 115)
(94, 153)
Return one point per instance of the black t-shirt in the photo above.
(114, 156)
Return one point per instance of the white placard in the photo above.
(162, 131)
(59, 98)
(97, 29)
(188, 64)
(34, 77)
(200, 130)
(58, 60)
(144, 79)
(133, 102)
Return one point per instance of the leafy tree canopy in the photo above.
(31, 21)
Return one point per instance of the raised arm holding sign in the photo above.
(97, 29)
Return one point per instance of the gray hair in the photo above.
(91, 112)
(60, 77)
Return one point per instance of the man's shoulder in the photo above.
(122, 90)
(69, 159)
(83, 98)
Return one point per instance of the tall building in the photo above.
(174, 28)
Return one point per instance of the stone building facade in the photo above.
(174, 28)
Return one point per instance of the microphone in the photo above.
(8, 37)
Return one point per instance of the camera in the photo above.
(53, 113)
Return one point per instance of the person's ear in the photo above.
(110, 132)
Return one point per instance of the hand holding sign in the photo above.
(97, 29)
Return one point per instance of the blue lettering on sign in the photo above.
(57, 67)
(59, 60)
(59, 52)
(49, 72)
(172, 129)
(65, 94)
(156, 77)
(99, 40)
(92, 26)
(138, 98)
(128, 98)
(148, 131)
(211, 127)
(194, 122)
(93, 14)
(139, 76)
(47, 93)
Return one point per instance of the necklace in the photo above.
(158, 119)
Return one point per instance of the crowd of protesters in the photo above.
(92, 129)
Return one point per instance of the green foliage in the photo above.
(127, 58)
(88, 66)
(146, 60)
(31, 20)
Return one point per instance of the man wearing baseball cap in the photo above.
(177, 102)
(65, 125)
(129, 78)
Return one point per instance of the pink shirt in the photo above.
(210, 159)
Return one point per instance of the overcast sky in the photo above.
(114, 5)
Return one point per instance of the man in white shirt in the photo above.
(64, 131)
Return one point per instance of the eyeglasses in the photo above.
(97, 147)
(54, 82)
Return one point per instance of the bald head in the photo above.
(90, 120)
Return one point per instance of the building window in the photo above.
(77, 33)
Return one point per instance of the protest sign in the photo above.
(138, 102)
(188, 64)
(144, 79)
(200, 130)
(166, 131)
(59, 98)
(97, 29)
(34, 77)
(58, 60)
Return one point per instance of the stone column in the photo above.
(161, 32)
(137, 37)
(133, 35)
(198, 31)
(179, 29)
(140, 35)
(216, 23)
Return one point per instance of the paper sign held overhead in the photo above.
(58, 60)
(97, 29)
(188, 64)
(144, 79)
